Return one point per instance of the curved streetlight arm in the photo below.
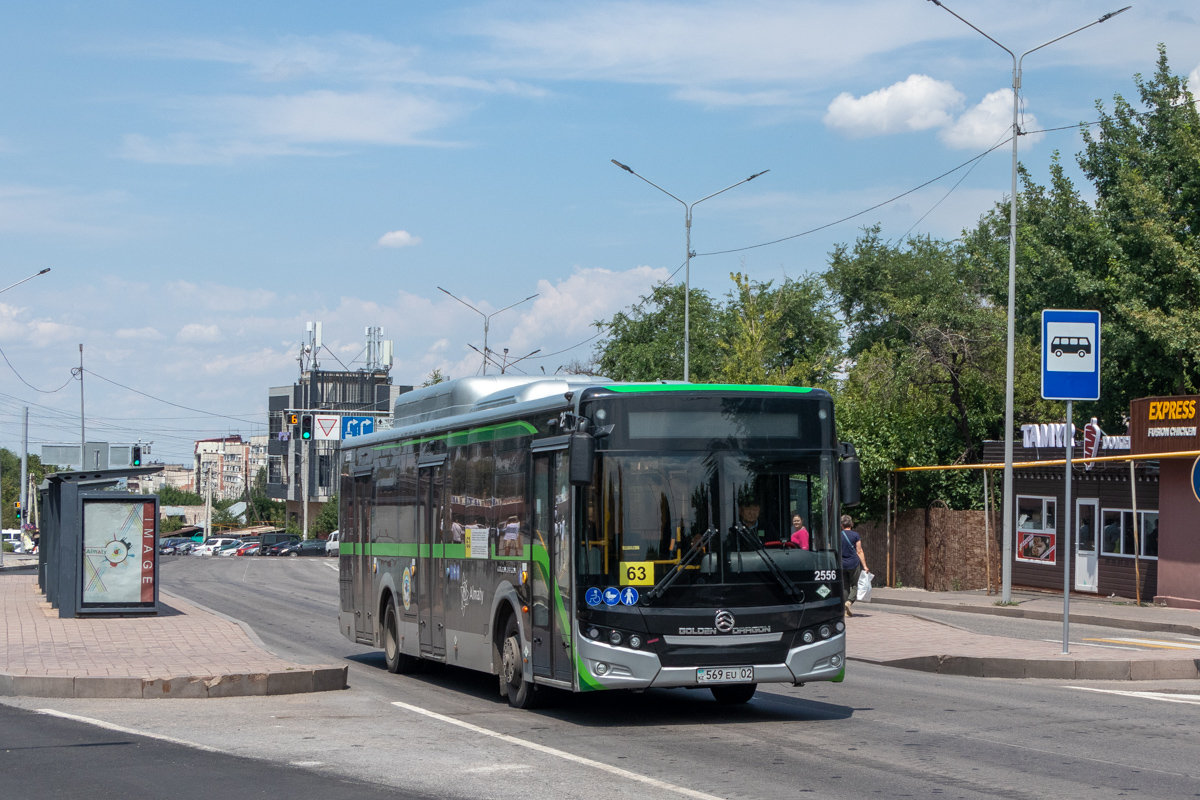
(647, 180)
(465, 303)
(31, 277)
(942, 5)
(727, 188)
(506, 308)
(1104, 18)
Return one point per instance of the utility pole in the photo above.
(82, 434)
(207, 477)
(304, 444)
(23, 496)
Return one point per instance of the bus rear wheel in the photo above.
(737, 693)
(520, 692)
(397, 663)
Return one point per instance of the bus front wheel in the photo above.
(520, 692)
(737, 693)
(397, 663)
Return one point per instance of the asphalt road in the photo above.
(882, 733)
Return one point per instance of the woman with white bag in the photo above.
(854, 563)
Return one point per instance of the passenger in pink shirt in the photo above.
(799, 532)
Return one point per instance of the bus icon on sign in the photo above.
(1080, 346)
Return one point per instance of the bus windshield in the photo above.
(742, 526)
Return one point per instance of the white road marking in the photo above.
(541, 748)
(1165, 697)
(498, 768)
(332, 567)
(306, 763)
(131, 731)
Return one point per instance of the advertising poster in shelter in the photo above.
(118, 552)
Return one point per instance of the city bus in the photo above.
(580, 534)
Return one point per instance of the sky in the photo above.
(202, 179)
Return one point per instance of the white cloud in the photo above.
(138, 333)
(916, 103)
(398, 239)
(987, 123)
(237, 126)
(1194, 84)
(195, 333)
(56, 211)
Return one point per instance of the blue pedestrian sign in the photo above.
(593, 596)
(357, 426)
(629, 596)
(1070, 355)
(612, 596)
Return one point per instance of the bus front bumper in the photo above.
(623, 668)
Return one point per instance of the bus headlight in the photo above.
(614, 638)
(841, 626)
(635, 641)
(593, 633)
(825, 632)
(601, 668)
(808, 637)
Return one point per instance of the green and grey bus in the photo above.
(579, 534)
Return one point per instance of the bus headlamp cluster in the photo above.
(615, 637)
(823, 632)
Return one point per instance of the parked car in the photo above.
(170, 545)
(333, 544)
(249, 549)
(272, 538)
(210, 546)
(184, 548)
(273, 550)
(229, 549)
(311, 547)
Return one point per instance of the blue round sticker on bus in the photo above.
(594, 596)
(1196, 479)
(612, 596)
(629, 596)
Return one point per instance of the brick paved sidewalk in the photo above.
(900, 640)
(183, 651)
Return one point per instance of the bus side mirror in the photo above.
(582, 457)
(849, 476)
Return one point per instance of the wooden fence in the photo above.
(937, 548)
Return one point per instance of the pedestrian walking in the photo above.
(854, 562)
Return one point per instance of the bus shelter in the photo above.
(99, 547)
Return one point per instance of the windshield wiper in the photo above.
(696, 549)
(788, 586)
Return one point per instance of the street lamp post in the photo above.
(1006, 569)
(487, 321)
(21, 523)
(687, 272)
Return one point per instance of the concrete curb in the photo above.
(991, 667)
(1020, 613)
(257, 684)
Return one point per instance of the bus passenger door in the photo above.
(361, 560)
(550, 570)
(430, 589)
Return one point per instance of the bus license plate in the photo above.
(725, 675)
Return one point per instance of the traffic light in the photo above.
(306, 426)
(18, 507)
(135, 456)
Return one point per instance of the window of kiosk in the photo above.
(1117, 534)
(1037, 537)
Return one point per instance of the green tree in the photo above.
(326, 520)
(170, 496)
(645, 342)
(10, 484)
(1134, 255)
(784, 336)
(435, 377)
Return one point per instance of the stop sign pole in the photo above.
(1070, 371)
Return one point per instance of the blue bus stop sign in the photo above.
(1070, 355)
